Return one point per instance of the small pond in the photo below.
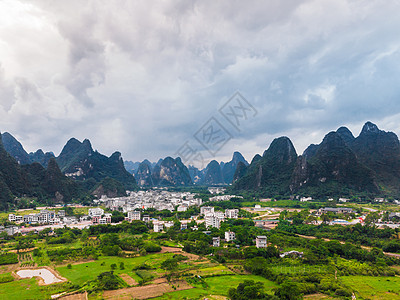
(47, 276)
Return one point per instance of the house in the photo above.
(212, 221)
(146, 218)
(229, 236)
(11, 217)
(336, 210)
(182, 208)
(292, 253)
(11, 230)
(158, 226)
(231, 213)
(206, 209)
(305, 199)
(168, 224)
(96, 212)
(261, 241)
(95, 220)
(184, 226)
(216, 241)
(133, 215)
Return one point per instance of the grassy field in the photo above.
(218, 285)
(378, 288)
(82, 272)
(28, 289)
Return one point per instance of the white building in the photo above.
(146, 218)
(182, 208)
(231, 213)
(261, 241)
(305, 199)
(11, 217)
(168, 224)
(206, 209)
(158, 226)
(93, 212)
(212, 221)
(216, 241)
(229, 236)
(133, 215)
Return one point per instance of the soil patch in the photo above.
(128, 279)
(145, 292)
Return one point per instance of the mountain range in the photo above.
(77, 172)
(33, 180)
(340, 165)
(151, 174)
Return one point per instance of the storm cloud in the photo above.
(143, 77)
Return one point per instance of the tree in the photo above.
(371, 218)
(113, 266)
(288, 291)
(248, 290)
(107, 281)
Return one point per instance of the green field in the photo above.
(28, 289)
(82, 272)
(218, 285)
(369, 287)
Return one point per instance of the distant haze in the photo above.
(142, 77)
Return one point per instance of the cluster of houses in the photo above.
(335, 210)
(261, 240)
(156, 198)
(98, 216)
(224, 197)
(43, 217)
(214, 218)
(229, 236)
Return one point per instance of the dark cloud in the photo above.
(142, 77)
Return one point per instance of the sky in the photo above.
(157, 78)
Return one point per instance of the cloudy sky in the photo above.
(143, 77)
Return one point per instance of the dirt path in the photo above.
(128, 279)
(75, 297)
(145, 292)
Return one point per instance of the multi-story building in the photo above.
(216, 241)
(206, 209)
(168, 224)
(212, 221)
(220, 215)
(99, 220)
(158, 226)
(229, 236)
(182, 208)
(261, 241)
(146, 218)
(133, 215)
(12, 218)
(231, 213)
